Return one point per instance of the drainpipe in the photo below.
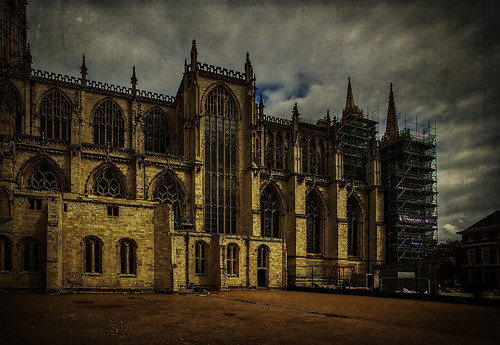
(247, 243)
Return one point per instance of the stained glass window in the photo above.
(55, 116)
(220, 162)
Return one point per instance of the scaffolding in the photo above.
(409, 180)
(355, 133)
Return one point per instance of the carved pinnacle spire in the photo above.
(28, 60)
(194, 55)
(391, 128)
(261, 107)
(84, 70)
(350, 107)
(248, 69)
(133, 81)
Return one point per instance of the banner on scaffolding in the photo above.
(404, 218)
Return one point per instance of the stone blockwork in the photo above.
(106, 188)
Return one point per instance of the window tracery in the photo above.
(109, 125)
(108, 184)
(167, 191)
(220, 162)
(157, 133)
(11, 114)
(43, 177)
(313, 215)
(55, 116)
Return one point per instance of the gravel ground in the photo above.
(240, 317)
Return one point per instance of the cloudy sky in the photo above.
(442, 56)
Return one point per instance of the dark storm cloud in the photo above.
(441, 56)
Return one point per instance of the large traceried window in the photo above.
(157, 136)
(220, 162)
(167, 191)
(107, 183)
(10, 109)
(55, 116)
(269, 211)
(109, 125)
(353, 217)
(43, 177)
(313, 215)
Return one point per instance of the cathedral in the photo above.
(111, 188)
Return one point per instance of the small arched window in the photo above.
(157, 132)
(233, 252)
(5, 253)
(109, 125)
(55, 116)
(43, 177)
(30, 254)
(167, 191)
(92, 255)
(200, 258)
(263, 257)
(269, 210)
(107, 183)
(128, 257)
(313, 215)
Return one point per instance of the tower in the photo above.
(14, 34)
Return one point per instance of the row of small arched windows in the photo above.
(108, 122)
(29, 255)
(93, 253)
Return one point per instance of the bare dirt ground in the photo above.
(240, 317)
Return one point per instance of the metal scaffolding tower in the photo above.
(409, 179)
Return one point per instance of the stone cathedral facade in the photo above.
(114, 188)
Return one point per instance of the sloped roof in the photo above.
(486, 222)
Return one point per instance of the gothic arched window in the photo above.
(168, 191)
(313, 215)
(11, 118)
(278, 150)
(353, 217)
(269, 212)
(93, 254)
(157, 136)
(31, 254)
(305, 165)
(233, 259)
(107, 183)
(269, 149)
(200, 258)
(220, 162)
(5, 253)
(43, 177)
(312, 157)
(128, 257)
(109, 126)
(55, 116)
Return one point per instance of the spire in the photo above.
(349, 102)
(391, 129)
(83, 70)
(295, 112)
(261, 107)
(350, 107)
(248, 69)
(194, 56)
(133, 81)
